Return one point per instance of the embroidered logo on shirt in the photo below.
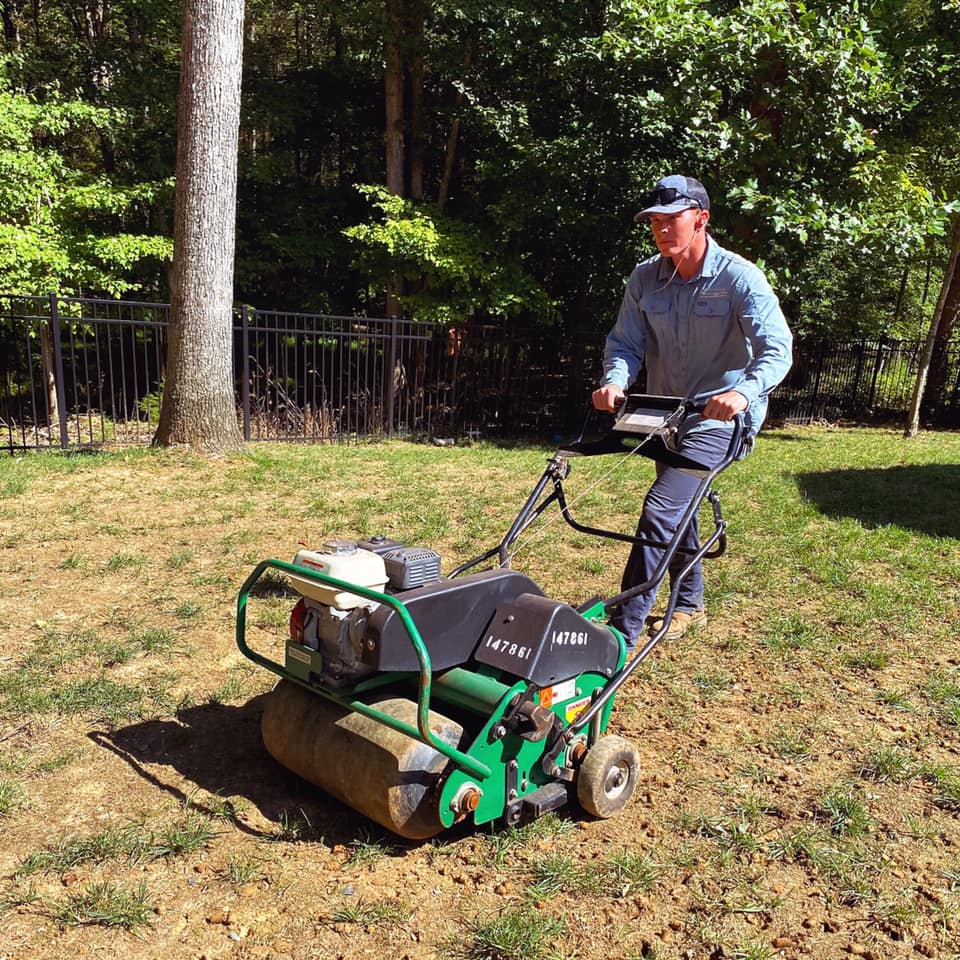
(705, 297)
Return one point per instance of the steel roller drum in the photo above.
(382, 773)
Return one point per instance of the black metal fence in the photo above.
(80, 372)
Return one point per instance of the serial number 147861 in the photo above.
(516, 650)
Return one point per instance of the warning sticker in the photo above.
(558, 692)
(574, 708)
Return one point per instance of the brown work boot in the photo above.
(681, 623)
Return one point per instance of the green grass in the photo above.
(844, 810)
(368, 850)
(793, 742)
(887, 763)
(943, 690)
(155, 640)
(125, 561)
(560, 872)
(734, 836)
(791, 633)
(873, 658)
(131, 842)
(630, 871)
(292, 827)
(128, 841)
(11, 796)
(230, 690)
(104, 904)
(516, 933)
(502, 846)
(242, 869)
(368, 913)
(67, 673)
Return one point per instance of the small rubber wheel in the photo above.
(608, 776)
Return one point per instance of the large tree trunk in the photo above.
(198, 398)
(913, 417)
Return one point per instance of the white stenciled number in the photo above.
(515, 650)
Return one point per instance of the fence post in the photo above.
(58, 385)
(245, 370)
(391, 374)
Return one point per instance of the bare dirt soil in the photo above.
(143, 557)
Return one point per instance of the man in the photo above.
(707, 326)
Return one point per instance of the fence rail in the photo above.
(82, 372)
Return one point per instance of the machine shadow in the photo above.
(218, 748)
(920, 497)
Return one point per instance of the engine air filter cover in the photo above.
(409, 567)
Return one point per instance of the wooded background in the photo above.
(483, 159)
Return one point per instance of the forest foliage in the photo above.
(524, 135)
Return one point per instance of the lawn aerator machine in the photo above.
(423, 700)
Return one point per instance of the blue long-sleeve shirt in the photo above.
(722, 330)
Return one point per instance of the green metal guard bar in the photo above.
(422, 731)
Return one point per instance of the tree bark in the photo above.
(938, 377)
(913, 417)
(450, 156)
(49, 376)
(393, 91)
(415, 75)
(11, 12)
(198, 405)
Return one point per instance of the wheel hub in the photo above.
(616, 781)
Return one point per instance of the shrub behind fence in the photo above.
(81, 372)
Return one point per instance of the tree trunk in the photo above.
(938, 378)
(913, 417)
(393, 90)
(11, 11)
(49, 376)
(415, 74)
(198, 399)
(450, 157)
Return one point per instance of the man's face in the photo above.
(673, 233)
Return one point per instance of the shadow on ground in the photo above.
(217, 748)
(924, 498)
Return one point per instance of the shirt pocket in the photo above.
(711, 307)
(657, 303)
(661, 321)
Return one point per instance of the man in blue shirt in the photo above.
(707, 326)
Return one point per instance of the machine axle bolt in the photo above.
(467, 800)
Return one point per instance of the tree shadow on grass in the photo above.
(217, 750)
(920, 497)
